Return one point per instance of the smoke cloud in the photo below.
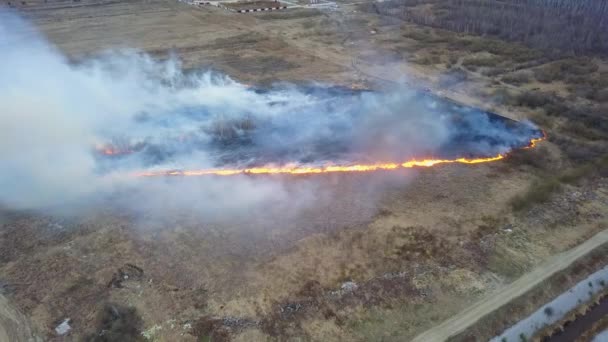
(71, 133)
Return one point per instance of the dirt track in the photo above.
(468, 317)
(13, 325)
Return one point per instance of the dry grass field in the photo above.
(433, 242)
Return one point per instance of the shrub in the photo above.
(453, 77)
(579, 151)
(539, 191)
(600, 95)
(418, 35)
(575, 174)
(546, 74)
(542, 120)
(534, 99)
(491, 72)
(573, 70)
(117, 323)
(428, 60)
(503, 95)
(579, 129)
(517, 78)
(536, 158)
(209, 328)
(481, 61)
(577, 66)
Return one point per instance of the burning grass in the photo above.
(350, 141)
(304, 170)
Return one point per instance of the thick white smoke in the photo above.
(54, 114)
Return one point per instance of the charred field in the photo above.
(356, 133)
(326, 256)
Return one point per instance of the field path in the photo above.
(472, 314)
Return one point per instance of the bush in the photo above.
(546, 74)
(573, 70)
(542, 120)
(491, 72)
(453, 77)
(421, 36)
(600, 95)
(577, 150)
(502, 95)
(534, 99)
(580, 130)
(539, 191)
(577, 66)
(537, 158)
(481, 61)
(208, 328)
(575, 174)
(581, 90)
(516, 78)
(117, 323)
(428, 60)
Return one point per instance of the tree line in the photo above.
(571, 26)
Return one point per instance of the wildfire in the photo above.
(300, 170)
(535, 141)
(119, 149)
(108, 151)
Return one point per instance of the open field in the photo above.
(377, 265)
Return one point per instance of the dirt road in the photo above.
(469, 316)
(14, 327)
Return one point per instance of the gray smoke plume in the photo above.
(71, 133)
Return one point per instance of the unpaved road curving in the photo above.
(472, 314)
(14, 327)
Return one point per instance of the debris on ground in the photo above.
(349, 286)
(64, 327)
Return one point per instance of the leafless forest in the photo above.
(578, 27)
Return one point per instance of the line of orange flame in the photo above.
(300, 170)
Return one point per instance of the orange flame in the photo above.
(112, 150)
(303, 170)
(535, 141)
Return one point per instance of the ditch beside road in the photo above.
(474, 313)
